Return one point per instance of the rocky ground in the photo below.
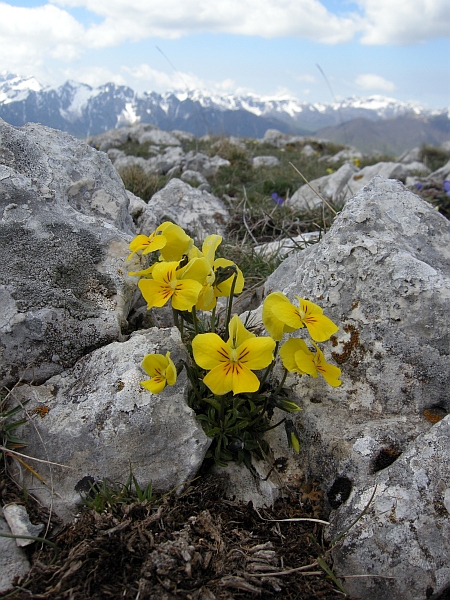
(197, 545)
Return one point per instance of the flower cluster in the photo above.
(230, 368)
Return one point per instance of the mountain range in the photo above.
(371, 123)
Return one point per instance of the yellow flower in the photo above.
(178, 242)
(280, 316)
(162, 371)
(298, 358)
(230, 364)
(183, 286)
(150, 243)
(220, 280)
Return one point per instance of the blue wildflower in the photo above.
(277, 199)
(447, 187)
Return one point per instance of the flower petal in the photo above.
(197, 269)
(288, 354)
(320, 327)
(171, 371)
(186, 294)
(154, 364)
(154, 292)
(233, 377)
(237, 332)
(329, 372)
(210, 246)
(224, 288)
(256, 353)
(154, 385)
(178, 242)
(275, 327)
(150, 243)
(210, 350)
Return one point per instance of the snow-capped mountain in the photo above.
(83, 110)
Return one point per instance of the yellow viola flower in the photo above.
(147, 244)
(298, 358)
(220, 280)
(280, 316)
(231, 363)
(143, 273)
(177, 243)
(161, 370)
(183, 286)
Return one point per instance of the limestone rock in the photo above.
(308, 151)
(410, 156)
(198, 212)
(265, 161)
(13, 561)
(441, 174)
(193, 177)
(158, 137)
(388, 170)
(125, 161)
(207, 166)
(335, 188)
(405, 534)
(283, 247)
(382, 273)
(101, 421)
(347, 154)
(64, 233)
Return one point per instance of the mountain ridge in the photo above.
(83, 110)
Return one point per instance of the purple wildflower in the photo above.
(447, 187)
(277, 199)
(419, 186)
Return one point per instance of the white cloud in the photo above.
(93, 76)
(373, 82)
(29, 35)
(145, 78)
(404, 21)
(135, 20)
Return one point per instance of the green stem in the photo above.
(222, 408)
(230, 302)
(213, 320)
(176, 320)
(278, 390)
(194, 320)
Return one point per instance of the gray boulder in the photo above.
(101, 422)
(127, 161)
(265, 161)
(382, 274)
(410, 156)
(308, 151)
(335, 188)
(388, 170)
(193, 177)
(206, 165)
(347, 154)
(13, 560)
(158, 137)
(198, 212)
(64, 233)
(403, 542)
(441, 174)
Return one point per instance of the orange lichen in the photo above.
(41, 410)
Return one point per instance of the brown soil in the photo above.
(195, 546)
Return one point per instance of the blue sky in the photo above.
(399, 49)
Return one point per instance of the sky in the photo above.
(313, 50)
